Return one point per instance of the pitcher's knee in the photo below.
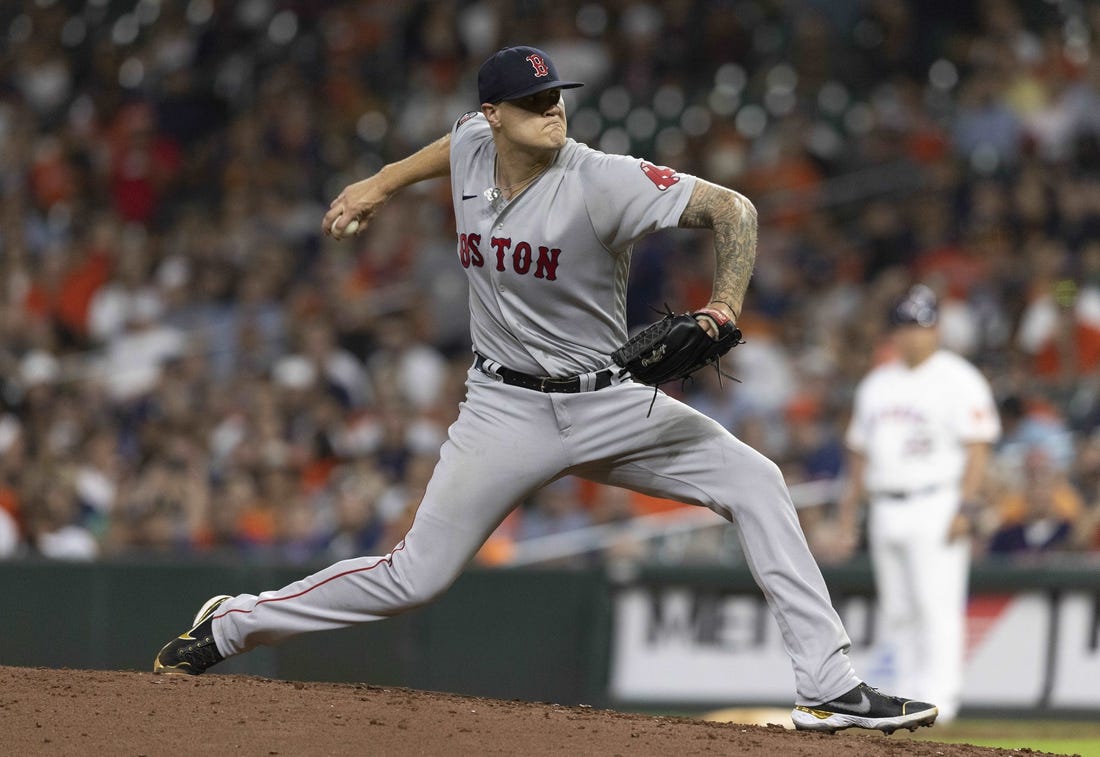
(422, 590)
(759, 473)
(752, 484)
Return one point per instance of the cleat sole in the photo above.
(808, 719)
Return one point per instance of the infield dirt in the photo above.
(107, 713)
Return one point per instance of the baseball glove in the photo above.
(675, 347)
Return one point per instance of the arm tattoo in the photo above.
(733, 219)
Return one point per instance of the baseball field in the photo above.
(1055, 737)
(80, 712)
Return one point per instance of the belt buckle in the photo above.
(542, 384)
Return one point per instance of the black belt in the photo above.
(588, 382)
(911, 493)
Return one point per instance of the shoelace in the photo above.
(202, 653)
(899, 700)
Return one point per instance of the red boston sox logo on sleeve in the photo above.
(538, 64)
(662, 177)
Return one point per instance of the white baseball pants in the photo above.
(921, 580)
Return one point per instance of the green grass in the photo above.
(1053, 737)
(1056, 737)
(1082, 747)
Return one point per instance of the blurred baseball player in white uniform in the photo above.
(919, 440)
(545, 231)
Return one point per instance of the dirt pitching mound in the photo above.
(105, 713)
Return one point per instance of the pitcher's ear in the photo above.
(492, 114)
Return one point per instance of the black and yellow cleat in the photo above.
(192, 652)
(864, 707)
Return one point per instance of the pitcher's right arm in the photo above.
(361, 200)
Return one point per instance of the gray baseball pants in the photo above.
(506, 443)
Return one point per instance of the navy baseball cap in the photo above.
(515, 72)
(918, 307)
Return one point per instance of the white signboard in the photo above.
(681, 645)
(689, 645)
(1007, 650)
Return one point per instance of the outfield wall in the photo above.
(653, 638)
(525, 635)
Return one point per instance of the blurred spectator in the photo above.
(613, 506)
(242, 519)
(1061, 330)
(12, 465)
(9, 535)
(133, 359)
(1029, 424)
(143, 163)
(320, 359)
(397, 504)
(1040, 515)
(113, 303)
(815, 446)
(97, 479)
(1086, 532)
(161, 266)
(716, 397)
(987, 131)
(39, 371)
(167, 506)
(300, 533)
(53, 520)
(358, 525)
(416, 370)
(763, 369)
(554, 509)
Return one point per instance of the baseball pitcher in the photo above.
(545, 229)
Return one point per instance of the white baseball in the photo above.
(347, 231)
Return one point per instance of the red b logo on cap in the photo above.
(538, 64)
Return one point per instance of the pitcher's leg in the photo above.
(683, 455)
(498, 451)
(362, 589)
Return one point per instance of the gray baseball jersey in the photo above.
(557, 254)
(548, 275)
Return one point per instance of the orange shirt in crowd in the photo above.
(1066, 501)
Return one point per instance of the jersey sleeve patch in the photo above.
(466, 117)
(662, 177)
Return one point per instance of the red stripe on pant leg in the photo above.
(387, 559)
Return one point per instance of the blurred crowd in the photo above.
(188, 367)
